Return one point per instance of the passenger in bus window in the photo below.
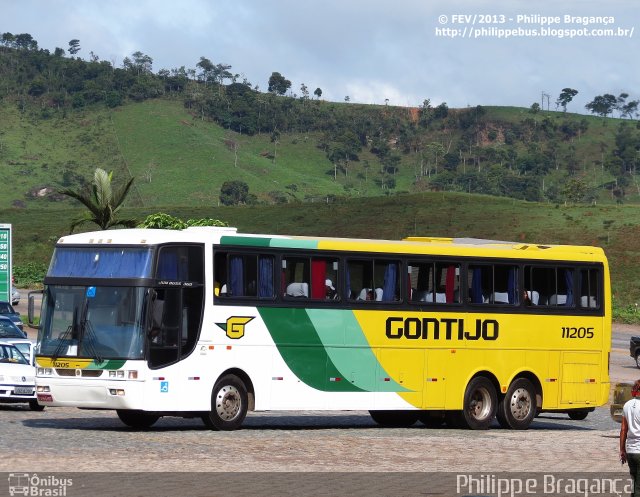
(330, 291)
(220, 291)
(297, 289)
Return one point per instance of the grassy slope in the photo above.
(36, 152)
(188, 159)
(178, 159)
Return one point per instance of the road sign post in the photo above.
(6, 267)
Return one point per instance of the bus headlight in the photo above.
(116, 391)
(44, 372)
(43, 388)
(120, 374)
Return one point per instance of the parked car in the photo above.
(15, 296)
(24, 345)
(10, 330)
(6, 309)
(17, 378)
(621, 393)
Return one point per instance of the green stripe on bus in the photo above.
(294, 243)
(245, 241)
(255, 241)
(357, 361)
(303, 351)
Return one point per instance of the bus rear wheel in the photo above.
(139, 420)
(480, 399)
(229, 403)
(518, 407)
(397, 419)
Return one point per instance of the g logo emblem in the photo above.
(235, 326)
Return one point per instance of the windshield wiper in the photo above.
(64, 338)
(87, 331)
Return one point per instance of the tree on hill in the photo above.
(566, 95)
(278, 84)
(207, 67)
(318, 92)
(626, 109)
(74, 46)
(602, 105)
(234, 192)
(102, 202)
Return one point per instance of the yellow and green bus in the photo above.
(212, 323)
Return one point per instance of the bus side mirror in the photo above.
(34, 298)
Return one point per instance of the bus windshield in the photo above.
(98, 322)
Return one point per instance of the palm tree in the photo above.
(102, 203)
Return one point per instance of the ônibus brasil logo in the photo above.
(235, 326)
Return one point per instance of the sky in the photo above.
(462, 52)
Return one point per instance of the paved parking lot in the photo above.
(65, 439)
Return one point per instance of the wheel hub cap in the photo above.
(520, 404)
(480, 404)
(228, 402)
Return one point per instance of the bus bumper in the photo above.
(95, 395)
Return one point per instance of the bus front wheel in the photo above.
(229, 403)
(139, 420)
(480, 399)
(518, 407)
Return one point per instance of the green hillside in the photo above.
(178, 158)
(182, 133)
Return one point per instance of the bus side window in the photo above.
(554, 285)
(589, 285)
(373, 280)
(243, 275)
(494, 284)
(295, 277)
(434, 282)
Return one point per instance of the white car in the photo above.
(15, 296)
(24, 345)
(17, 377)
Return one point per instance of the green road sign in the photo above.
(5, 262)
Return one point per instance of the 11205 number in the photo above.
(581, 332)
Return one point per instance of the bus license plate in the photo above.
(23, 391)
(45, 397)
